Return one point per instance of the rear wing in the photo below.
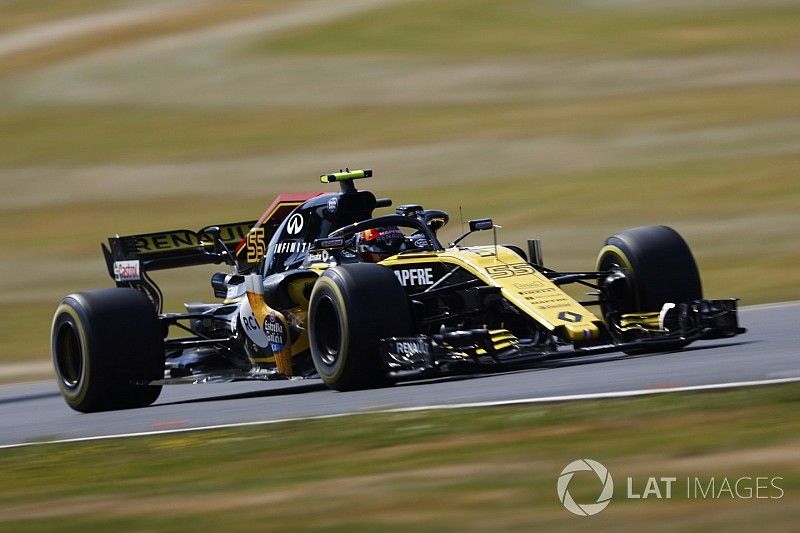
(130, 258)
(127, 257)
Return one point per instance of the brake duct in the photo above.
(271, 322)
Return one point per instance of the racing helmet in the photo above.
(377, 244)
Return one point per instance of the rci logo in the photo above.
(586, 509)
(295, 224)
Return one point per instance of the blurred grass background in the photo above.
(488, 469)
(565, 121)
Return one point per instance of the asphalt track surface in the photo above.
(770, 350)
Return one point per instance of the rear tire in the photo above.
(106, 343)
(653, 265)
(352, 307)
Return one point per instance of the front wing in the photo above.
(484, 349)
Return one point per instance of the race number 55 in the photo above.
(507, 271)
(256, 247)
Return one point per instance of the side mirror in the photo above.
(436, 219)
(220, 251)
(210, 231)
(480, 224)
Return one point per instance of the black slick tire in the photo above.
(352, 307)
(106, 344)
(657, 267)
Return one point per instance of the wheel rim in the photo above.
(610, 263)
(328, 335)
(69, 355)
(614, 307)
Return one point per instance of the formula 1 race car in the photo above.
(319, 288)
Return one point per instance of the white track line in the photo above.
(497, 403)
(774, 305)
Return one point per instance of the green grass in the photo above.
(22, 13)
(564, 121)
(476, 28)
(120, 31)
(464, 469)
(92, 134)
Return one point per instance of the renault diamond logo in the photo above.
(569, 316)
(295, 224)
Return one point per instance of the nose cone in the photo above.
(579, 332)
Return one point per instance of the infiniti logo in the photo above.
(295, 224)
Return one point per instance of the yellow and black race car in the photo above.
(320, 288)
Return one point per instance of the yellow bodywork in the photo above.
(520, 284)
(641, 322)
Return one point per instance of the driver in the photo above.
(377, 244)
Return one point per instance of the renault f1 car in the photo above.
(319, 287)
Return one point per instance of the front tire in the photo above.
(352, 307)
(650, 266)
(106, 344)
